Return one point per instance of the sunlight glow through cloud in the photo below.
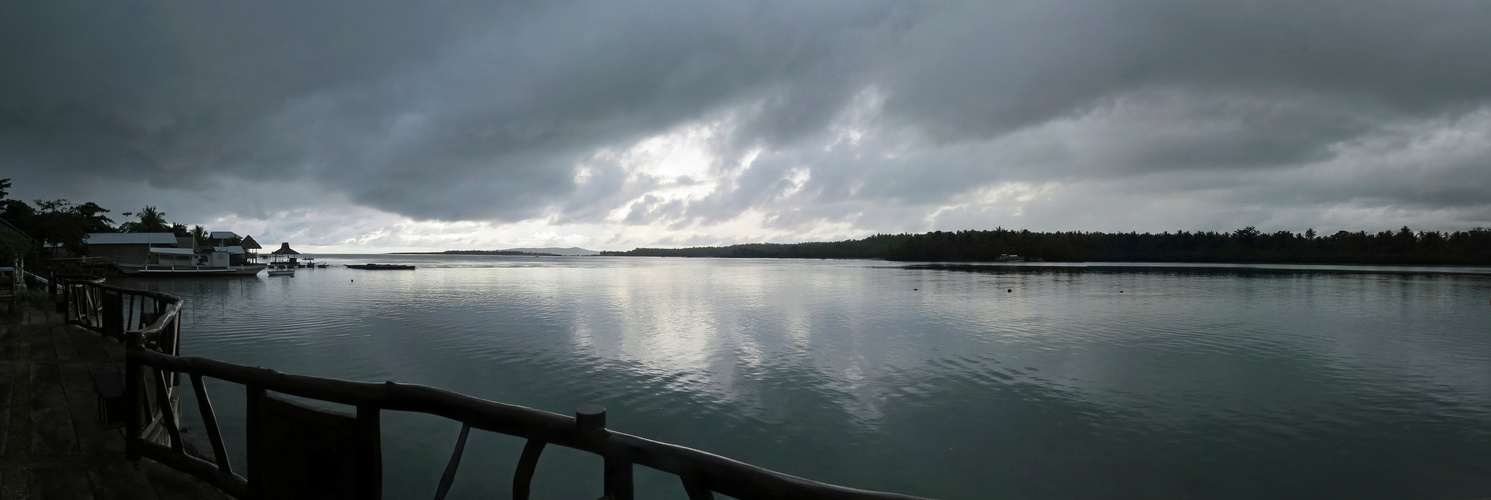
(490, 125)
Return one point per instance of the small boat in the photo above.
(381, 267)
(282, 270)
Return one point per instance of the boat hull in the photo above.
(175, 271)
(382, 267)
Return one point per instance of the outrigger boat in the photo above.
(159, 269)
(186, 262)
(381, 267)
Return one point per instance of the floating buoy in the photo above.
(1009, 290)
(915, 289)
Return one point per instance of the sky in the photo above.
(377, 126)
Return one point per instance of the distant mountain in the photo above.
(556, 251)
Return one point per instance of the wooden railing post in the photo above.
(370, 457)
(67, 318)
(591, 419)
(113, 320)
(134, 395)
(53, 292)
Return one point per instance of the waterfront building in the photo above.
(131, 248)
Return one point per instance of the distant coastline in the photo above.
(481, 252)
(1243, 246)
(516, 252)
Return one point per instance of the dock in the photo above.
(52, 444)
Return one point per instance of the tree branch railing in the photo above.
(153, 320)
(153, 430)
(113, 311)
(701, 473)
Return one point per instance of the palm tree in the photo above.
(151, 221)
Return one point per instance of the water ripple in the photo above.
(1015, 381)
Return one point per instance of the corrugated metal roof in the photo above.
(222, 235)
(236, 250)
(131, 239)
(172, 251)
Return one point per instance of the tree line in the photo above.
(874, 247)
(65, 224)
(1247, 245)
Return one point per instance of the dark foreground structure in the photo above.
(54, 446)
(66, 440)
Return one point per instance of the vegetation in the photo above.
(151, 221)
(61, 223)
(56, 222)
(1247, 245)
(874, 247)
(13, 247)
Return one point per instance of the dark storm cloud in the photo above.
(983, 67)
(497, 110)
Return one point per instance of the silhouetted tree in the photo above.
(199, 235)
(151, 221)
(94, 220)
(58, 222)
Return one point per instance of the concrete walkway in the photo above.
(51, 443)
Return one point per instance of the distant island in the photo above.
(1246, 245)
(568, 252)
(481, 252)
(530, 252)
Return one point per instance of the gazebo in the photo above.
(249, 245)
(284, 253)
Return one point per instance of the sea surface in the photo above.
(988, 381)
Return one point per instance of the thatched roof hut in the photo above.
(285, 250)
(249, 243)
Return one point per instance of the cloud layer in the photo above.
(617, 124)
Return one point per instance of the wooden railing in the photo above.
(114, 311)
(149, 320)
(153, 369)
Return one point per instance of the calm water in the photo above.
(991, 382)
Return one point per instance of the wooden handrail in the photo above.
(153, 372)
(717, 473)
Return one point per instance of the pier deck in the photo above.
(51, 443)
